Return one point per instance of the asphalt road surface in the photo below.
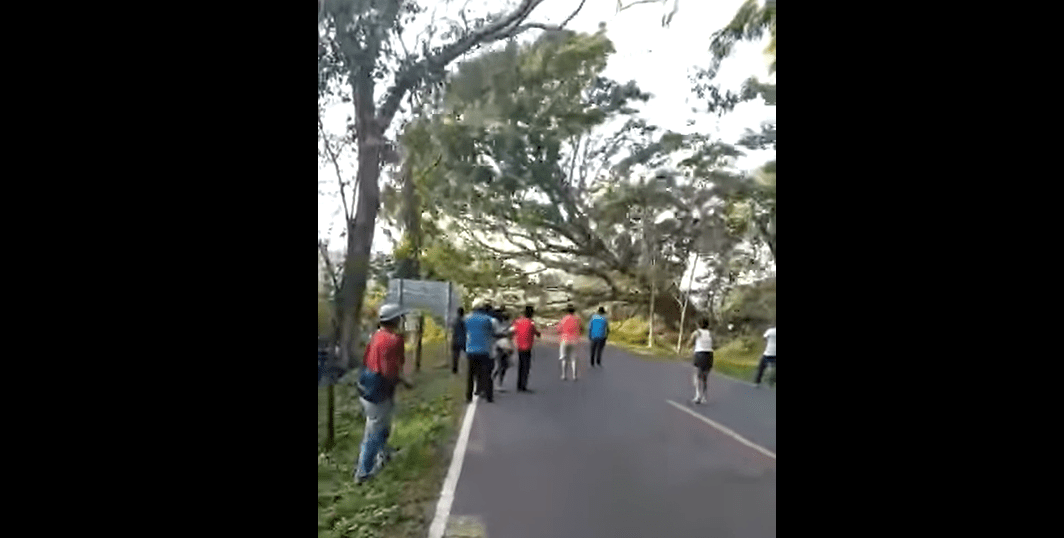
(609, 456)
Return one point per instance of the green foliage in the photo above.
(752, 308)
(742, 349)
(631, 331)
(472, 268)
(510, 120)
(750, 23)
(433, 332)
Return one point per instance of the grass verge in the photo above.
(400, 501)
(737, 359)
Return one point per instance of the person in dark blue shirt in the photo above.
(458, 339)
(597, 331)
(480, 336)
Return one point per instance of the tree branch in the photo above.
(411, 75)
(621, 8)
(324, 251)
(336, 166)
(550, 27)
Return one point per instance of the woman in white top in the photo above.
(703, 344)
(503, 348)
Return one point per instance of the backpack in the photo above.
(373, 386)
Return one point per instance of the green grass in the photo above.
(399, 502)
(738, 358)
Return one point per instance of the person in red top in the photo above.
(525, 333)
(569, 330)
(384, 356)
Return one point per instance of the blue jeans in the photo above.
(765, 361)
(378, 426)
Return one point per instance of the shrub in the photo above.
(743, 350)
(433, 331)
(631, 331)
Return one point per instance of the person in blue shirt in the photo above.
(480, 336)
(598, 329)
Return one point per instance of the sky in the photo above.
(659, 59)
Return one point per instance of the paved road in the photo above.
(607, 456)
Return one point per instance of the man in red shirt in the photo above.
(525, 333)
(384, 360)
(569, 330)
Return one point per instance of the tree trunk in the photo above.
(360, 238)
(649, 252)
(770, 240)
(420, 331)
(650, 331)
(683, 311)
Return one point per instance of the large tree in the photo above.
(360, 46)
(517, 142)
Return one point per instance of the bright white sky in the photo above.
(659, 59)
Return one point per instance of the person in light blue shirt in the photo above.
(598, 329)
(480, 336)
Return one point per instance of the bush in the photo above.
(743, 350)
(631, 331)
(752, 308)
(433, 331)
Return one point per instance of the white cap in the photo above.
(391, 311)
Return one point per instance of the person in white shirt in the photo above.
(503, 347)
(769, 356)
(702, 341)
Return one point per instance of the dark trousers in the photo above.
(479, 373)
(597, 345)
(456, 351)
(765, 360)
(503, 363)
(524, 362)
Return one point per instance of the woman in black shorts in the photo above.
(703, 344)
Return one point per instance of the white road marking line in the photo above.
(443, 507)
(727, 431)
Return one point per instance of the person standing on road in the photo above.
(458, 339)
(503, 348)
(382, 370)
(598, 329)
(569, 331)
(702, 341)
(770, 354)
(480, 335)
(525, 332)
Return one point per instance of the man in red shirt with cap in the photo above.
(383, 369)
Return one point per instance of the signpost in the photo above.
(437, 297)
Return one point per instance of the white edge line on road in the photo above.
(727, 431)
(443, 507)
